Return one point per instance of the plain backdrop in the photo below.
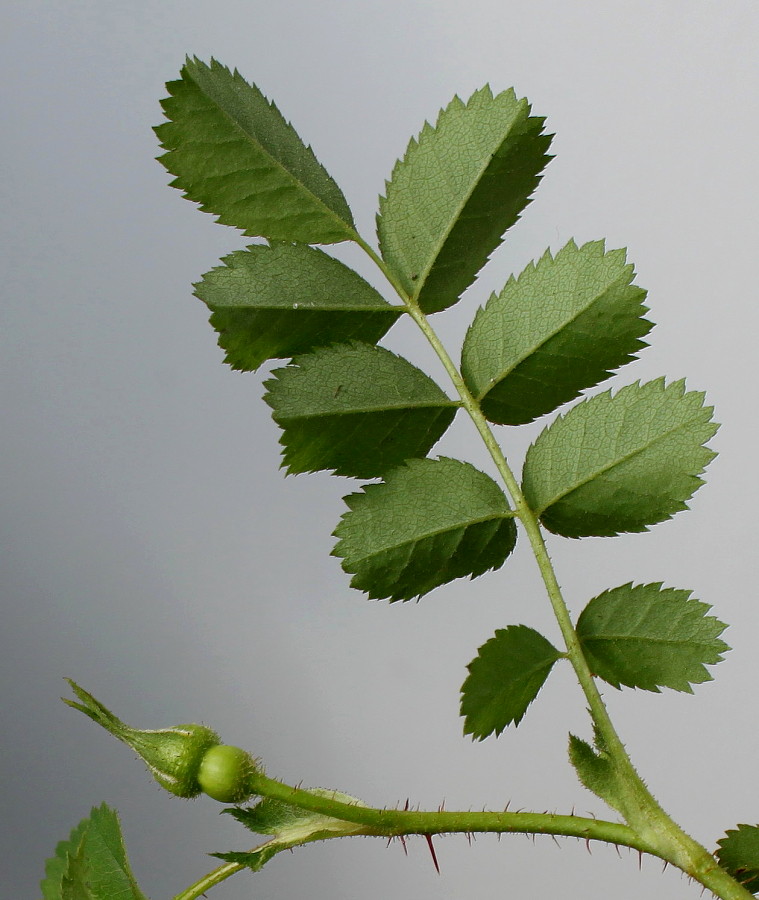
(152, 550)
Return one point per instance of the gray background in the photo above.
(151, 549)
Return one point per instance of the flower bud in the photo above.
(173, 755)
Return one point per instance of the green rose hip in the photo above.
(225, 772)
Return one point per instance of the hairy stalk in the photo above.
(642, 811)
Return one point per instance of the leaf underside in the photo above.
(738, 853)
(649, 637)
(92, 864)
(233, 153)
(620, 463)
(429, 522)
(564, 325)
(459, 187)
(275, 302)
(355, 409)
(504, 678)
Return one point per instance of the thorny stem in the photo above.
(649, 829)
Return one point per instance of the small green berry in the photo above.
(225, 772)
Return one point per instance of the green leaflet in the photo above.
(356, 409)
(563, 326)
(620, 463)
(650, 637)
(429, 522)
(234, 154)
(596, 771)
(92, 864)
(459, 187)
(504, 678)
(290, 826)
(273, 302)
(738, 853)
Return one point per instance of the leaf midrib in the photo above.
(618, 462)
(468, 524)
(350, 230)
(422, 281)
(537, 346)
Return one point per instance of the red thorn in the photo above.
(587, 844)
(403, 843)
(428, 838)
(406, 805)
(553, 836)
(389, 842)
(508, 804)
(640, 860)
(664, 867)
(469, 838)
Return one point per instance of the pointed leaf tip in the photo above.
(459, 187)
(232, 152)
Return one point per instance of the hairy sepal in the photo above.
(564, 325)
(233, 153)
(620, 463)
(459, 187)
(504, 678)
(278, 301)
(648, 637)
(355, 409)
(92, 864)
(430, 521)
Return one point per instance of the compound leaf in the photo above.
(563, 326)
(290, 826)
(504, 678)
(233, 153)
(459, 187)
(429, 522)
(273, 302)
(356, 409)
(650, 637)
(620, 463)
(92, 864)
(738, 854)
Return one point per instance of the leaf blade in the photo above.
(428, 523)
(646, 636)
(275, 302)
(92, 864)
(355, 409)
(504, 678)
(458, 188)
(620, 463)
(738, 854)
(233, 153)
(536, 345)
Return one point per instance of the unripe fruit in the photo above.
(224, 773)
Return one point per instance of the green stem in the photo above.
(208, 881)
